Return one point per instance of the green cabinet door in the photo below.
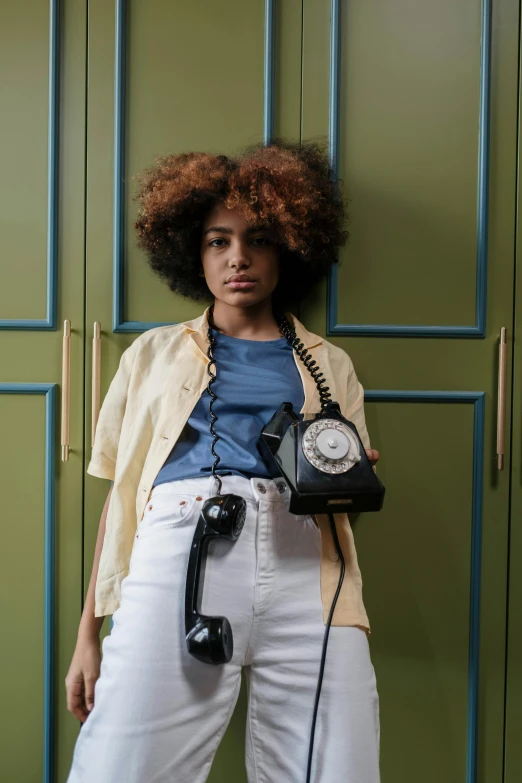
(513, 750)
(188, 76)
(42, 104)
(419, 101)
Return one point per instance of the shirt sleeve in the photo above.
(355, 405)
(108, 428)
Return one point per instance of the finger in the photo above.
(90, 682)
(81, 714)
(373, 455)
(77, 709)
(75, 700)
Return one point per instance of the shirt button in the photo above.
(199, 497)
(261, 488)
(281, 486)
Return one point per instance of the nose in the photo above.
(239, 256)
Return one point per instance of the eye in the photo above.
(218, 239)
(264, 241)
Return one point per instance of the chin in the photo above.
(244, 298)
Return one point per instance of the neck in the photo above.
(249, 323)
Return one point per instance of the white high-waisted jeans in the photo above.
(159, 714)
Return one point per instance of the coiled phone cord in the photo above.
(214, 417)
(306, 358)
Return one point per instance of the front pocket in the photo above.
(166, 511)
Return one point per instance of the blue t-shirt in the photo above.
(253, 378)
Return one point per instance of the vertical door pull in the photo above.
(66, 397)
(501, 402)
(95, 392)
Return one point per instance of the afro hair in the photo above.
(287, 186)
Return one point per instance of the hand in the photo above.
(82, 676)
(373, 456)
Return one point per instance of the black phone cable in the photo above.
(325, 646)
(213, 395)
(310, 363)
(325, 398)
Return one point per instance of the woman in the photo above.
(248, 235)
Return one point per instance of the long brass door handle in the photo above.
(95, 392)
(66, 386)
(501, 400)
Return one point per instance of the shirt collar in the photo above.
(197, 328)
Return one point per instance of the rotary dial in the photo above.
(330, 446)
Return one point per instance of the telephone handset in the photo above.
(209, 639)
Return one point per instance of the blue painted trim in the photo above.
(478, 401)
(49, 323)
(30, 324)
(385, 395)
(119, 324)
(474, 618)
(51, 394)
(334, 125)
(53, 147)
(478, 330)
(268, 93)
(483, 169)
(119, 168)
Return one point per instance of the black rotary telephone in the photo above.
(323, 460)
(325, 465)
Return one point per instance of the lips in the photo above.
(241, 285)
(240, 279)
(241, 282)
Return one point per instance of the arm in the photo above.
(85, 665)
(89, 624)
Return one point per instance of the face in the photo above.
(230, 248)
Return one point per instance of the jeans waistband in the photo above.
(253, 489)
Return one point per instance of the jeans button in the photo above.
(261, 488)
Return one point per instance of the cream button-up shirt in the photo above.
(160, 378)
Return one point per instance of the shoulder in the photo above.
(155, 340)
(337, 357)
